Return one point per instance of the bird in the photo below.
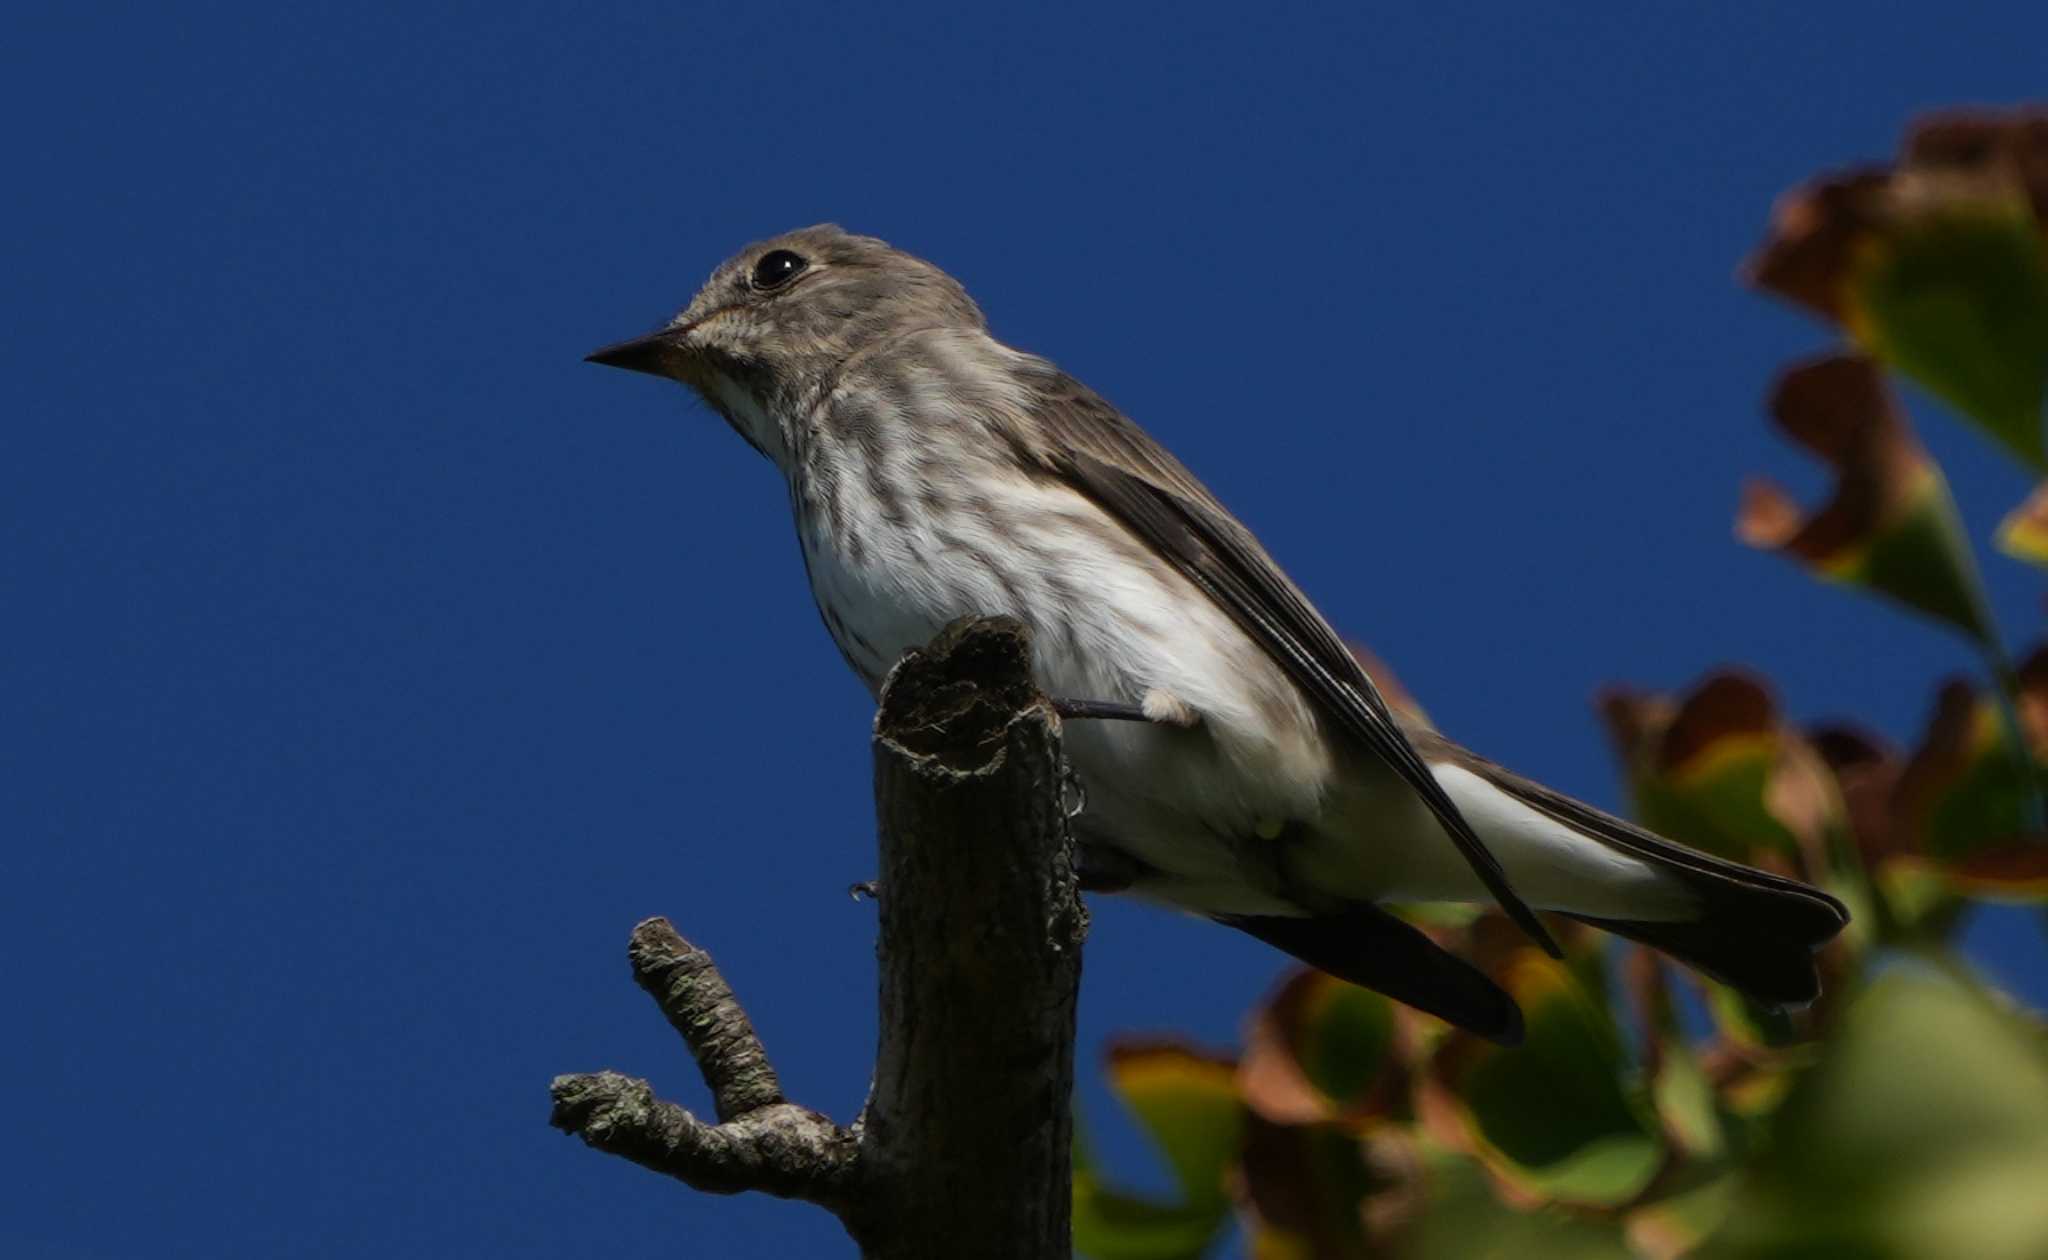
(1241, 765)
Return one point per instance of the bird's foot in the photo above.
(1167, 709)
(1073, 792)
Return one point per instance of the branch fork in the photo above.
(964, 1144)
(762, 1141)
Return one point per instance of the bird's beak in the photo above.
(653, 354)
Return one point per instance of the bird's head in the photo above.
(772, 327)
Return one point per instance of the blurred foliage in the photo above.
(1936, 265)
(1904, 1114)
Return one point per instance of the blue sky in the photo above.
(373, 663)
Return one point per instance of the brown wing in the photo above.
(1093, 447)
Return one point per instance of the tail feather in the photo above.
(1772, 969)
(1747, 928)
(1751, 929)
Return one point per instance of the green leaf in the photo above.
(1962, 808)
(1923, 1132)
(2024, 531)
(1344, 1038)
(1465, 1220)
(1553, 1117)
(1953, 819)
(1747, 1022)
(1957, 299)
(1922, 900)
(1188, 1102)
(1321, 1049)
(1684, 1098)
(1109, 1225)
(1937, 264)
(1719, 771)
(1675, 1224)
(1718, 803)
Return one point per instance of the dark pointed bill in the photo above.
(641, 354)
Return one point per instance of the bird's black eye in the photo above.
(777, 268)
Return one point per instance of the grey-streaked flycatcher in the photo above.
(936, 472)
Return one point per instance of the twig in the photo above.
(761, 1142)
(964, 1146)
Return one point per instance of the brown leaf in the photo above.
(1866, 769)
(1837, 407)
(1815, 232)
(1323, 1190)
(1729, 705)
(1819, 231)
(1276, 1082)
(1945, 751)
(2016, 868)
(1890, 525)
(2010, 149)
(1937, 265)
(1961, 794)
(1719, 770)
(2031, 698)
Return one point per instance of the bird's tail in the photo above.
(1752, 930)
(1747, 928)
(1774, 968)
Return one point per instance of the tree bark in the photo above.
(969, 1129)
(963, 1147)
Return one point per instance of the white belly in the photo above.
(1107, 625)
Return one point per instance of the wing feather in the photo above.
(1110, 459)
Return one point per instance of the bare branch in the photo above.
(781, 1149)
(964, 1146)
(699, 1004)
(969, 1131)
(761, 1141)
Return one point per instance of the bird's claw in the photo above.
(1073, 792)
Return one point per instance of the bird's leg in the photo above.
(1099, 869)
(1073, 792)
(1104, 710)
(1159, 706)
